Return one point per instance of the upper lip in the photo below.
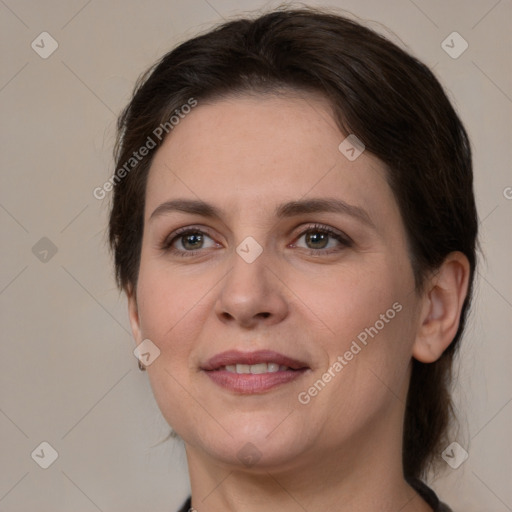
(232, 357)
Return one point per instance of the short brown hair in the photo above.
(390, 100)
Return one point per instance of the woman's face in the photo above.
(291, 247)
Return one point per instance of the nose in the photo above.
(252, 294)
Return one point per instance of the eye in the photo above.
(322, 239)
(187, 241)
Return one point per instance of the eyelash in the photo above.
(180, 233)
(168, 242)
(343, 239)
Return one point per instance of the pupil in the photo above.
(318, 240)
(192, 241)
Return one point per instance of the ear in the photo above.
(443, 298)
(133, 313)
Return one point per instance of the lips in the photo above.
(253, 372)
(235, 357)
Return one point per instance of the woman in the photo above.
(293, 223)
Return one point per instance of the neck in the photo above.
(364, 474)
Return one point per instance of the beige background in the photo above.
(68, 375)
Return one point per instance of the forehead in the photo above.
(264, 149)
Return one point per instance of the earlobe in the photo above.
(133, 313)
(443, 299)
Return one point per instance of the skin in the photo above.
(246, 155)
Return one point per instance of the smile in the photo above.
(255, 368)
(253, 372)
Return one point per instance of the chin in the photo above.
(256, 442)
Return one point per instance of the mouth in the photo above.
(253, 372)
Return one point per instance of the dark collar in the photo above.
(425, 492)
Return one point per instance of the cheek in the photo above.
(351, 298)
(172, 312)
(368, 316)
(171, 315)
(369, 354)
(168, 299)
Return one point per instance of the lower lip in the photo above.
(249, 383)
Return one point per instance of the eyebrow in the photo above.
(286, 210)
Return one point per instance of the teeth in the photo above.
(256, 368)
(259, 368)
(243, 368)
